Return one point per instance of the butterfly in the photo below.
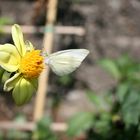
(66, 61)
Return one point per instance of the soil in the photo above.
(112, 29)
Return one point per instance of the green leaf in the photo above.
(45, 122)
(122, 91)
(131, 108)
(43, 131)
(102, 125)
(95, 99)
(79, 123)
(111, 67)
(102, 102)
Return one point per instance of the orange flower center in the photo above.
(31, 64)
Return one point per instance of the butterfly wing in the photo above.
(65, 62)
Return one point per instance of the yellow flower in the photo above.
(25, 65)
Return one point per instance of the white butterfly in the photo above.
(66, 61)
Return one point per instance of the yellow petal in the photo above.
(23, 91)
(9, 57)
(10, 83)
(18, 39)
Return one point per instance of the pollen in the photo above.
(31, 64)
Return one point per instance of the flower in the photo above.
(25, 65)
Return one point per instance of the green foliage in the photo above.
(94, 98)
(111, 67)
(130, 108)
(117, 114)
(127, 93)
(43, 130)
(92, 121)
(13, 134)
(101, 102)
(124, 69)
(65, 80)
(5, 20)
(16, 134)
(79, 123)
(1, 135)
(121, 92)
